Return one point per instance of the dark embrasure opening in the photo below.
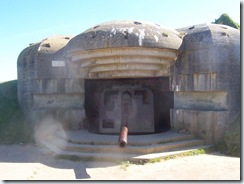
(142, 104)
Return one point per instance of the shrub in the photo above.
(226, 20)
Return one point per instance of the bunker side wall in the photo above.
(206, 81)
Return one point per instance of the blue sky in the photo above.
(27, 21)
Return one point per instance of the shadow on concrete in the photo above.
(33, 154)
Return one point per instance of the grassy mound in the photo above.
(14, 128)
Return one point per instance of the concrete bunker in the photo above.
(126, 64)
(115, 73)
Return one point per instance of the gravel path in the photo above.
(29, 163)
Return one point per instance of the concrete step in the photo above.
(143, 149)
(85, 145)
(84, 137)
(127, 156)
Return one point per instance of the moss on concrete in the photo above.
(231, 143)
(232, 138)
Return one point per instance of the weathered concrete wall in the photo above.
(208, 125)
(34, 63)
(201, 100)
(43, 84)
(25, 67)
(209, 65)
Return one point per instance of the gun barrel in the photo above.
(123, 137)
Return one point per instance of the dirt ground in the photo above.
(18, 162)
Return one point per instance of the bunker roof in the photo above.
(125, 33)
(53, 43)
(209, 35)
(48, 45)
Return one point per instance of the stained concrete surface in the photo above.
(27, 162)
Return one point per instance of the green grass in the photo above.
(124, 165)
(155, 160)
(14, 128)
